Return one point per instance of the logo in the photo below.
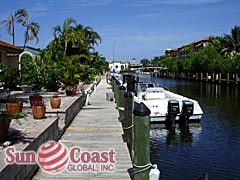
(54, 157)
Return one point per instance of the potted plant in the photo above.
(38, 109)
(35, 97)
(69, 90)
(9, 76)
(74, 90)
(26, 88)
(71, 73)
(55, 101)
(5, 121)
(13, 105)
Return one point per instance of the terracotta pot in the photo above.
(74, 90)
(4, 125)
(38, 112)
(35, 98)
(55, 102)
(13, 108)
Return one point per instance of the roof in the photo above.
(8, 46)
(199, 41)
(32, 50)
(192, 43)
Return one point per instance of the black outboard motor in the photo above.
(187, 111)
(131, 84)
(173, 110)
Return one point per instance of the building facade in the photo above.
(117, 66)
(9, 54)
(181, 51)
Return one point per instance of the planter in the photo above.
(55, 102)
(68, 92)
(4, 125)
(14, 108)
(26, 88)
(35, 98)
(74, 90)
(38, 112)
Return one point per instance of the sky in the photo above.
(129, 28)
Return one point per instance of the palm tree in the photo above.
(20, 16)
(84, 39)
(91, 37)
(232, 42)
(64, 32)
(33, 29)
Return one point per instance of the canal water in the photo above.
(211, 146)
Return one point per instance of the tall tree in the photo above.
(91, 36)
(31, 32)
(85, 37)
(64, 32)
(145, 62)
(21, 16)
(232, 42)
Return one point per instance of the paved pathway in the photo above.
(96, 128)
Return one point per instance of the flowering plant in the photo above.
(38, 103)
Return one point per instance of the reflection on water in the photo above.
(212, 146)
(173, 135)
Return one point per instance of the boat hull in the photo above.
(157, 100)
(163, 119)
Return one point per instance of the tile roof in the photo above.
(7, 45)
(201, 40)
(192, 43)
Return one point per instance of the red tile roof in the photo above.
(7, 45)
(198, 41)
(192, 43)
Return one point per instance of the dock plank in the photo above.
(96, 128)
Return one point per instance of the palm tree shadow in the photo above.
(15, 137)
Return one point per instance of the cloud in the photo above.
(39, 9)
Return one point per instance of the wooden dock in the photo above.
(96, 128)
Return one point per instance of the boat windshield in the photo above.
(144, 86)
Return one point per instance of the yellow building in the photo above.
(9, 54)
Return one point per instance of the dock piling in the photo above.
(142, 163)
(122, 90)
(117, 92)
(128, 122)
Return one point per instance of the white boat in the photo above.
(164, 104)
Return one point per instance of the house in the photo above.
(196, 45)
(117, 65)
(9, 54)
(33, 52)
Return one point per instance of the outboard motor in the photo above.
(173, 110)
(131, 84)
(187, 110)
